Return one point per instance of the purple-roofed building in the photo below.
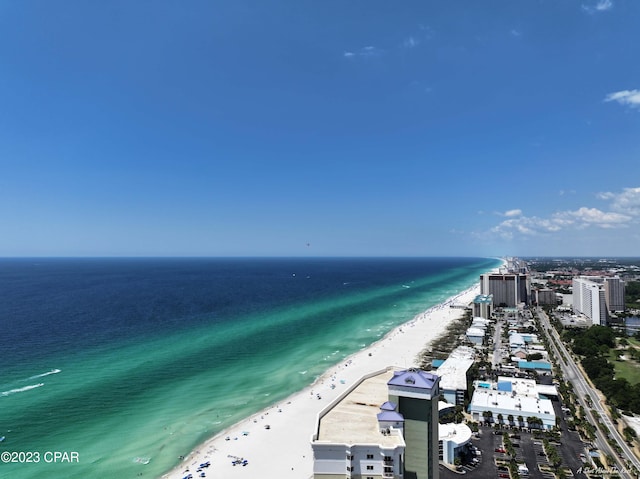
(389, 406)
(416, 393)
(388, 420)
(404, 445)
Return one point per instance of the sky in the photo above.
(320, 128)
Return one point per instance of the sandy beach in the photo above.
(276, 441)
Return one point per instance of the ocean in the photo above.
(113, 368)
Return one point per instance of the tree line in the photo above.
(594, 345)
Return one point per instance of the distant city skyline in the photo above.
(247, 128)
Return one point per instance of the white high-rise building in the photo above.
(589, 299)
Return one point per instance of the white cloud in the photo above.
(410, 42)
(368, 51)
(624, 210)
(625, 97)
(529, 226)
(515, 212)
(592, 216)
(627, 202)
(516, 33)
(601, 6)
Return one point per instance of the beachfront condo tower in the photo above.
(508, 289)
(416, 393)
(385, 426)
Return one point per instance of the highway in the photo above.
(583, 390)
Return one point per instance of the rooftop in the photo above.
(475, 332)
(413, 378)
(510, 403)
(354, 418)
(534, 365)
(483, 298)
(458, 433)
(453, 373)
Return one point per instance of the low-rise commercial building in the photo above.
(517, 398)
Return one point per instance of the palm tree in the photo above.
(487, 416)
(534, 422)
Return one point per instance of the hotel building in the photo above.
(384, 426)
(507, 289)
(483, 305)
(595, 296)
(614, 294)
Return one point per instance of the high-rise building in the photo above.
(482, 306)
(508, 289)
(614, 294)
(595, 296)
(546, 297)
(589, 299)
(360, 434)
(416, 393)
(385, 426)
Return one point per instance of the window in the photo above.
(369, 456)
(369, 468)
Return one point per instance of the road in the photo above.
(584, 390)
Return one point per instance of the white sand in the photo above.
(284, 450)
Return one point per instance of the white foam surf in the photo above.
(21, 390)
(48, 373)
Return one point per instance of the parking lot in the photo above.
(528, 450)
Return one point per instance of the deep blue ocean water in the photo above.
(129, 360)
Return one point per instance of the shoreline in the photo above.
(283, 430)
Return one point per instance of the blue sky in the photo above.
(288, 128)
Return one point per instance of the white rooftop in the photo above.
(516, 339)
(475, 332)
(510, 403)
(353, 419)
(521, 386)
(458, 433)
(444, 405)
(453, 373)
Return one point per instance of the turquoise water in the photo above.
(126, 362)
